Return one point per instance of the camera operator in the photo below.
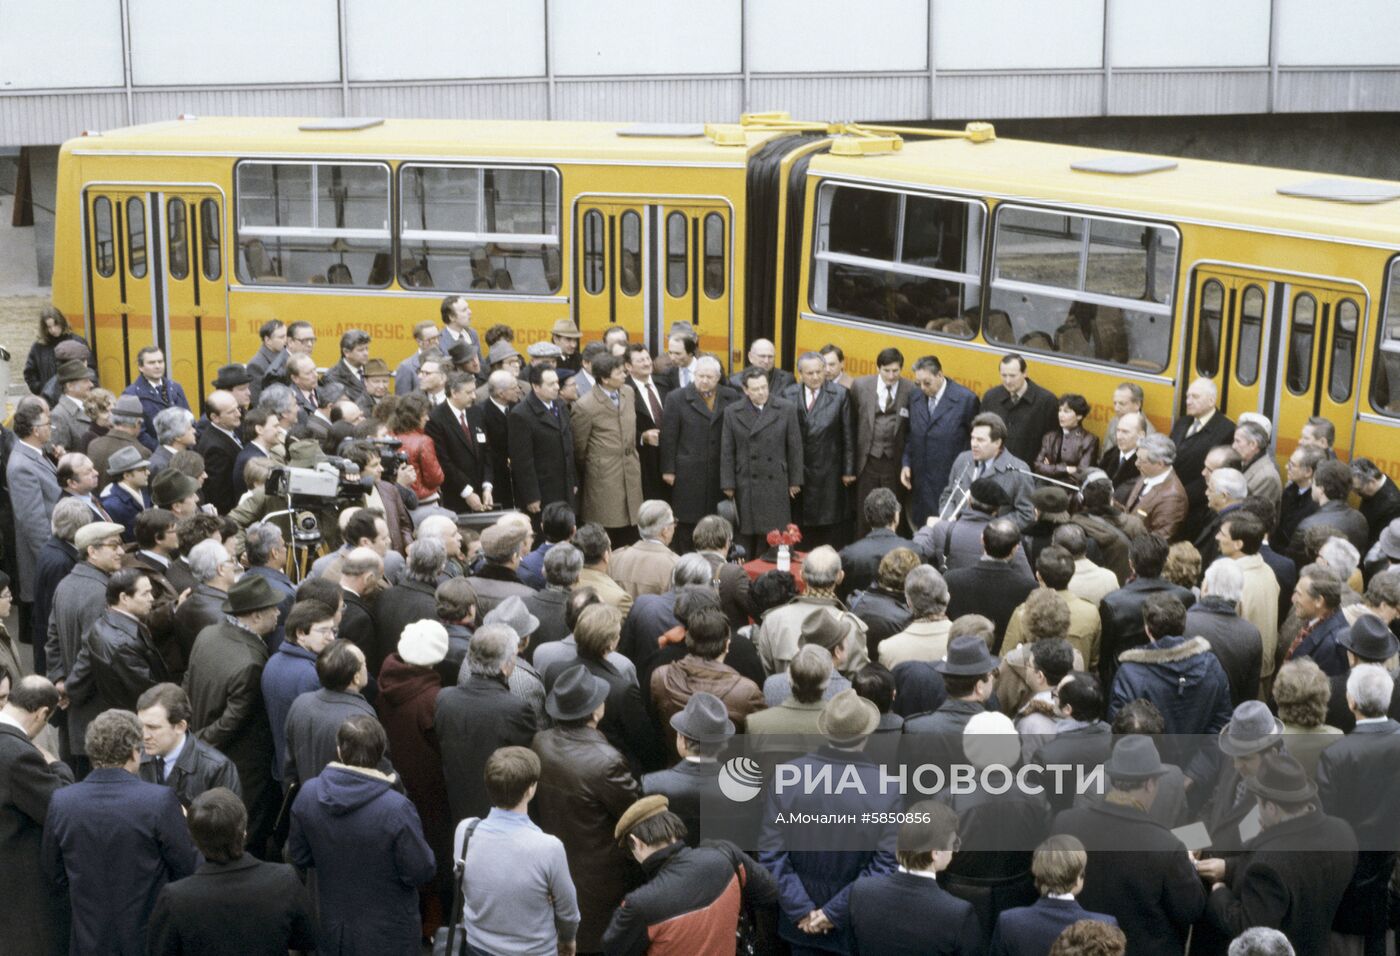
(391, 499)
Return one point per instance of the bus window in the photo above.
(630, 281)
(1385, 378)
(313, 223)
(714, 255)
(1251, 329)
(903, 258)
(1300, 344)
(1085, 286)
(479, 227)
(177, 238)
(136, 236)
(1208, 346)
(104, 253)
(210, 247)
(1343, 351)
(593, 273)
(676, 273)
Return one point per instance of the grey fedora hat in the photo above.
(1282, 779)
(704, 719)
(513, 613)
(124, 459)
(967, 655)
(1134, 758)
(1252, 728)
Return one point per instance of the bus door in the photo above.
(1314, 358)
(121, 294)
(646, 262)
(196, 304)
(151, 251)
(1282, 346)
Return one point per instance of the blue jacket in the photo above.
(115, 841)
(935, 442)
(881, 911)
(1184, 680)
(822, 879)
(289, 673)
(1321, 645)
(531, 569)
(123, 508)
(153, 403)
(1032, 930)
(366, 842)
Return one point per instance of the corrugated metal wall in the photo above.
(908, 60)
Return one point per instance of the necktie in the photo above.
(977, 472)
(932, 404)
(160, 769)
(884, 399)
(685, 377)
(811, 399)
(465, 427)
(653, 403)
(554, 410)
(164, 395)
(97, 506)
(1195, 427)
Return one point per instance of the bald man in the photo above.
(220, 445)
(762, 354)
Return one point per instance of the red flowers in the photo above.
(789, 536)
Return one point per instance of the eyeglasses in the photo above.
(309, 340)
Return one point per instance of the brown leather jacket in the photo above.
(585, 786)
(1060, 449)
(672, 685)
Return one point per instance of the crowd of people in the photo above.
(485, 690)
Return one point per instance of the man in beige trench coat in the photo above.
(605, 447)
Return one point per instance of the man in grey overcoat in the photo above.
(761, 460)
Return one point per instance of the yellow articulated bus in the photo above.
(1098, 267)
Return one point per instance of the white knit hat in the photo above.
(423, 643)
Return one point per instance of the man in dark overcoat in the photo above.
(940, 427)
(761, 463)
(692, 432)
(828, 453)
(224, 681)
(542, 445)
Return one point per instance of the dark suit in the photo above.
(465, 457)
(650, 455)
(243, 908)
(860, 560)
(1034, 929)
(991, 588)
(934, 444)
(34, 918)
(153, 402)
(761, 457)
(495, 422)
(354, 384)
(1120, 613)
(880, 439)
(1121, 473)
(687, 786)
(115, 841)
(691, 442)
(1153, 892)
(198, 767)
(778, 379)
(203, 608)
(625, 721)
(395, 609)
(1233, 640)
(220, 452)
(306, 407)
(248, 452)
(1191, 459)
(1339, 515)
(542, 453)
(1357, 782)
(1027, 420)
(1295, 504)
(357, 625)
(828, 454)
(1321, 645)
(881, 907)
(1291, 878)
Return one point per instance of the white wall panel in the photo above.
(50, 45)
(444, 39)
(515, 101)
(189, 42)
(1188, 33)
(837, 36)
(663, 101)
(627, 38)
(1016, 35)
(1337, 32)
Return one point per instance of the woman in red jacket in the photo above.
(410, 416)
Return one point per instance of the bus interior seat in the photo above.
(381, 270)
(339, 274)
(259, 264)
